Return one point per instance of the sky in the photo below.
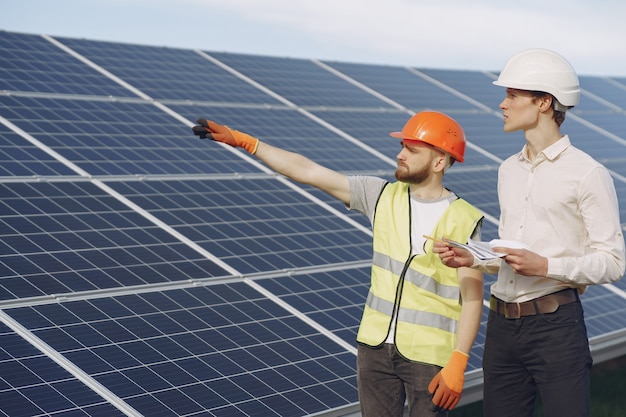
(440, 34)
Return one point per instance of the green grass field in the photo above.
(608, 393)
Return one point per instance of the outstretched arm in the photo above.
(290, 164)
(303, 170)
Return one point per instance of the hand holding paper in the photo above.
(483, 250)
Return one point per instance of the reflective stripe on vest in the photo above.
(423, 281)
(411, 316)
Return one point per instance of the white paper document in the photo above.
(484, 250)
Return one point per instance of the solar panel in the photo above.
(167, 73)
(26, 159)
(72, 236)
(334, 298)
(33, 384)
(144, 271)
(602, 92)
(604, 311)
(202, 349)
(252, 225)
(300, 81)
(32, 64)
(474, 85)
(116, 138)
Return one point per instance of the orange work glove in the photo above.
(220, 133)
(447, 385)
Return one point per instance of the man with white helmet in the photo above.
(415, 335)
(561, 205)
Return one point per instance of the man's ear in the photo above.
(545, 102)
(440, 162)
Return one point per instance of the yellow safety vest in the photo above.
(424, 291)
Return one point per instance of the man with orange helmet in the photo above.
(561, 204)
(415, 334)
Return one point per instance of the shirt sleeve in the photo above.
(604, 260)
(488, 266)
(364, 193)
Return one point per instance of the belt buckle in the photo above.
(512, 316)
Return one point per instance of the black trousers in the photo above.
(545, 354)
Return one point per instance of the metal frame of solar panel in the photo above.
(146, 272)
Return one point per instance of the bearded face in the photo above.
(415, 162)
(412, 175)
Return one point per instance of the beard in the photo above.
(404, 174)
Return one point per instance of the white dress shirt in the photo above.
(563, 206)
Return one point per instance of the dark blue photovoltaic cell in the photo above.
(252, 225)
(476, 85)
(611, 147)
(605, 89)
(371, 128)
(115, 138)
(618, 81)
(403, 87)
(604, 311)
(617, 165)
(334, 299)
(168, 73)
(66, 237)
(30, 63)
(179, 352)
(300, 81)
(31, 384)
(478, 188)
(486, 131)
(599, 146)
(18, 157)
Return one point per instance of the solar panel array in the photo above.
(146, 272)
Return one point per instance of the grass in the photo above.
(608, 393)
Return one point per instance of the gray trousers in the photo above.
(386, 381)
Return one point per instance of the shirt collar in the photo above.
(551, 152)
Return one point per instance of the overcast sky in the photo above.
(444, 34)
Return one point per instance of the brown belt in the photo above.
(541, 305)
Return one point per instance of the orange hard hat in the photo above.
(436, 129)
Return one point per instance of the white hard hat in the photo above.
(542, 70)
